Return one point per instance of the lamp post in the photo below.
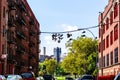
(90, 32)
(101, 47)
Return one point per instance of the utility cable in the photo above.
(70, 31)
(78, 29)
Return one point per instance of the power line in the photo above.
(70, 31)
(77, 29)
(58, 36)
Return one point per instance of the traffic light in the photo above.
(54, 36)
(69, 35)
(57, 37)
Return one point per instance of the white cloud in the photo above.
(67, 27)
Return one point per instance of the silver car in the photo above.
(14, 77)
(39, 78)
(2, 77)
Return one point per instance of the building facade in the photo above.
(19, 38)
(57, 54)
(109, 39)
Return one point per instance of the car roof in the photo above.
(87, 76)
(13, 77)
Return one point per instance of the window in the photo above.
(104, 44)
(99, 48)
(116, 32)
(107, 59)
(103, 28)
(3, 12)
(111, 57)
(111, 17)
(10, 36)
(111, 37)
(104, 61)
(107, 41)
(3, 32)
(3, 49)
(99, 33)
(116, 55)
(115, 10)
(107, 23)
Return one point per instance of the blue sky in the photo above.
(65, 15)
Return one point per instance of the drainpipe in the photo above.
(101, 47)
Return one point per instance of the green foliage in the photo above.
(51, 66)
(59, 70)
(81, 57)
(40, 69)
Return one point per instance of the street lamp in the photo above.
(90, 32)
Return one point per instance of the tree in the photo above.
(59, 70)
(81, 56)
(40, 69)
(50, 66)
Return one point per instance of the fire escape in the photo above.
(22, 38)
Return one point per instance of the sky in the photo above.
(65, 15)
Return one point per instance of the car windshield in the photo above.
(69, 79)
(26, 75)
(47, 77)
(87, 77)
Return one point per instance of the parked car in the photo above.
(39, 78)
(14, 77)
(2, 77)
(28, 76)
(77, 79)
(48, 77)
(87, 77)
(68, 78)
(117, 77)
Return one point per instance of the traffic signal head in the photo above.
(69, 35)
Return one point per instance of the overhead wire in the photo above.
(70, 31)
(77, 29)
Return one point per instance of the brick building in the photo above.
(19, 38)
(109, 39)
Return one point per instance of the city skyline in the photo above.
(58, 16)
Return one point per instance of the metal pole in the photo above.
(101, 33)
